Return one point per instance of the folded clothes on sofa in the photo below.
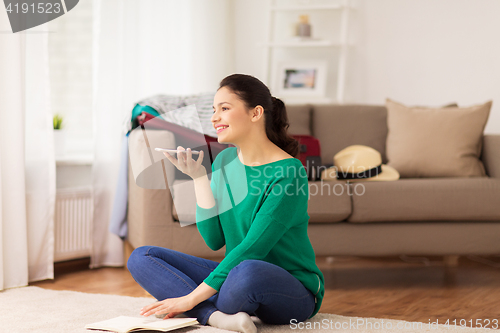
(176, 109)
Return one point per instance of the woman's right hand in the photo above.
(185, 163)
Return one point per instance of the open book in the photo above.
(124, 324)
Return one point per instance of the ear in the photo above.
(257, 113)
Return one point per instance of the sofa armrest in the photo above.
(491, 155)
(150, 219)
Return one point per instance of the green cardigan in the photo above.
(260, 213)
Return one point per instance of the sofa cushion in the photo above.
(299, 117)
(339, 126)
(431, 199)
(329, 202)
(436, 142)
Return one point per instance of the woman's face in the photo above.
(230, 111)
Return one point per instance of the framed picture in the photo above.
(300, 78)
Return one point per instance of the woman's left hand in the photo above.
(171, 306)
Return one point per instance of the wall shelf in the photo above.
(317, 100)
(304, 43)
(309, 7)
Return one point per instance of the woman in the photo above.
(255, 205)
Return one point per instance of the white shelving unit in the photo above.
(309, 6)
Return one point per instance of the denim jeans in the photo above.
(256, 287)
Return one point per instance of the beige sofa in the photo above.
(425, 216)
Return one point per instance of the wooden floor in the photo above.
(406, 288)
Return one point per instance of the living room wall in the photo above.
(423, 52)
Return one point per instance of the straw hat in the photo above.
(359, 163)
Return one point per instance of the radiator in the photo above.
(73, 223)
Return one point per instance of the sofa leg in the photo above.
(451, 260)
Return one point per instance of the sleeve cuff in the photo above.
(214, 282)
(203, 214)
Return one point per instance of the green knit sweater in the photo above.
(260, 213)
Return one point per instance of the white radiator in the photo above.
(73, 223)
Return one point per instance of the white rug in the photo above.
(33, 309)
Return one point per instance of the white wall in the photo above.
(431, 52)
(250, 20)
(425, 52)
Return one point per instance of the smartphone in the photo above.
(175, 150)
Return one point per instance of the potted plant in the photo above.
(59, 135)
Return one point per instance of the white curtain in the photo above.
(142, 48)
(27, 164)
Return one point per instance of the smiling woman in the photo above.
(261, 274)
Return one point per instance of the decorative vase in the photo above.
(303, 27)
(59, 142)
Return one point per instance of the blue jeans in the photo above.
(256, 287)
